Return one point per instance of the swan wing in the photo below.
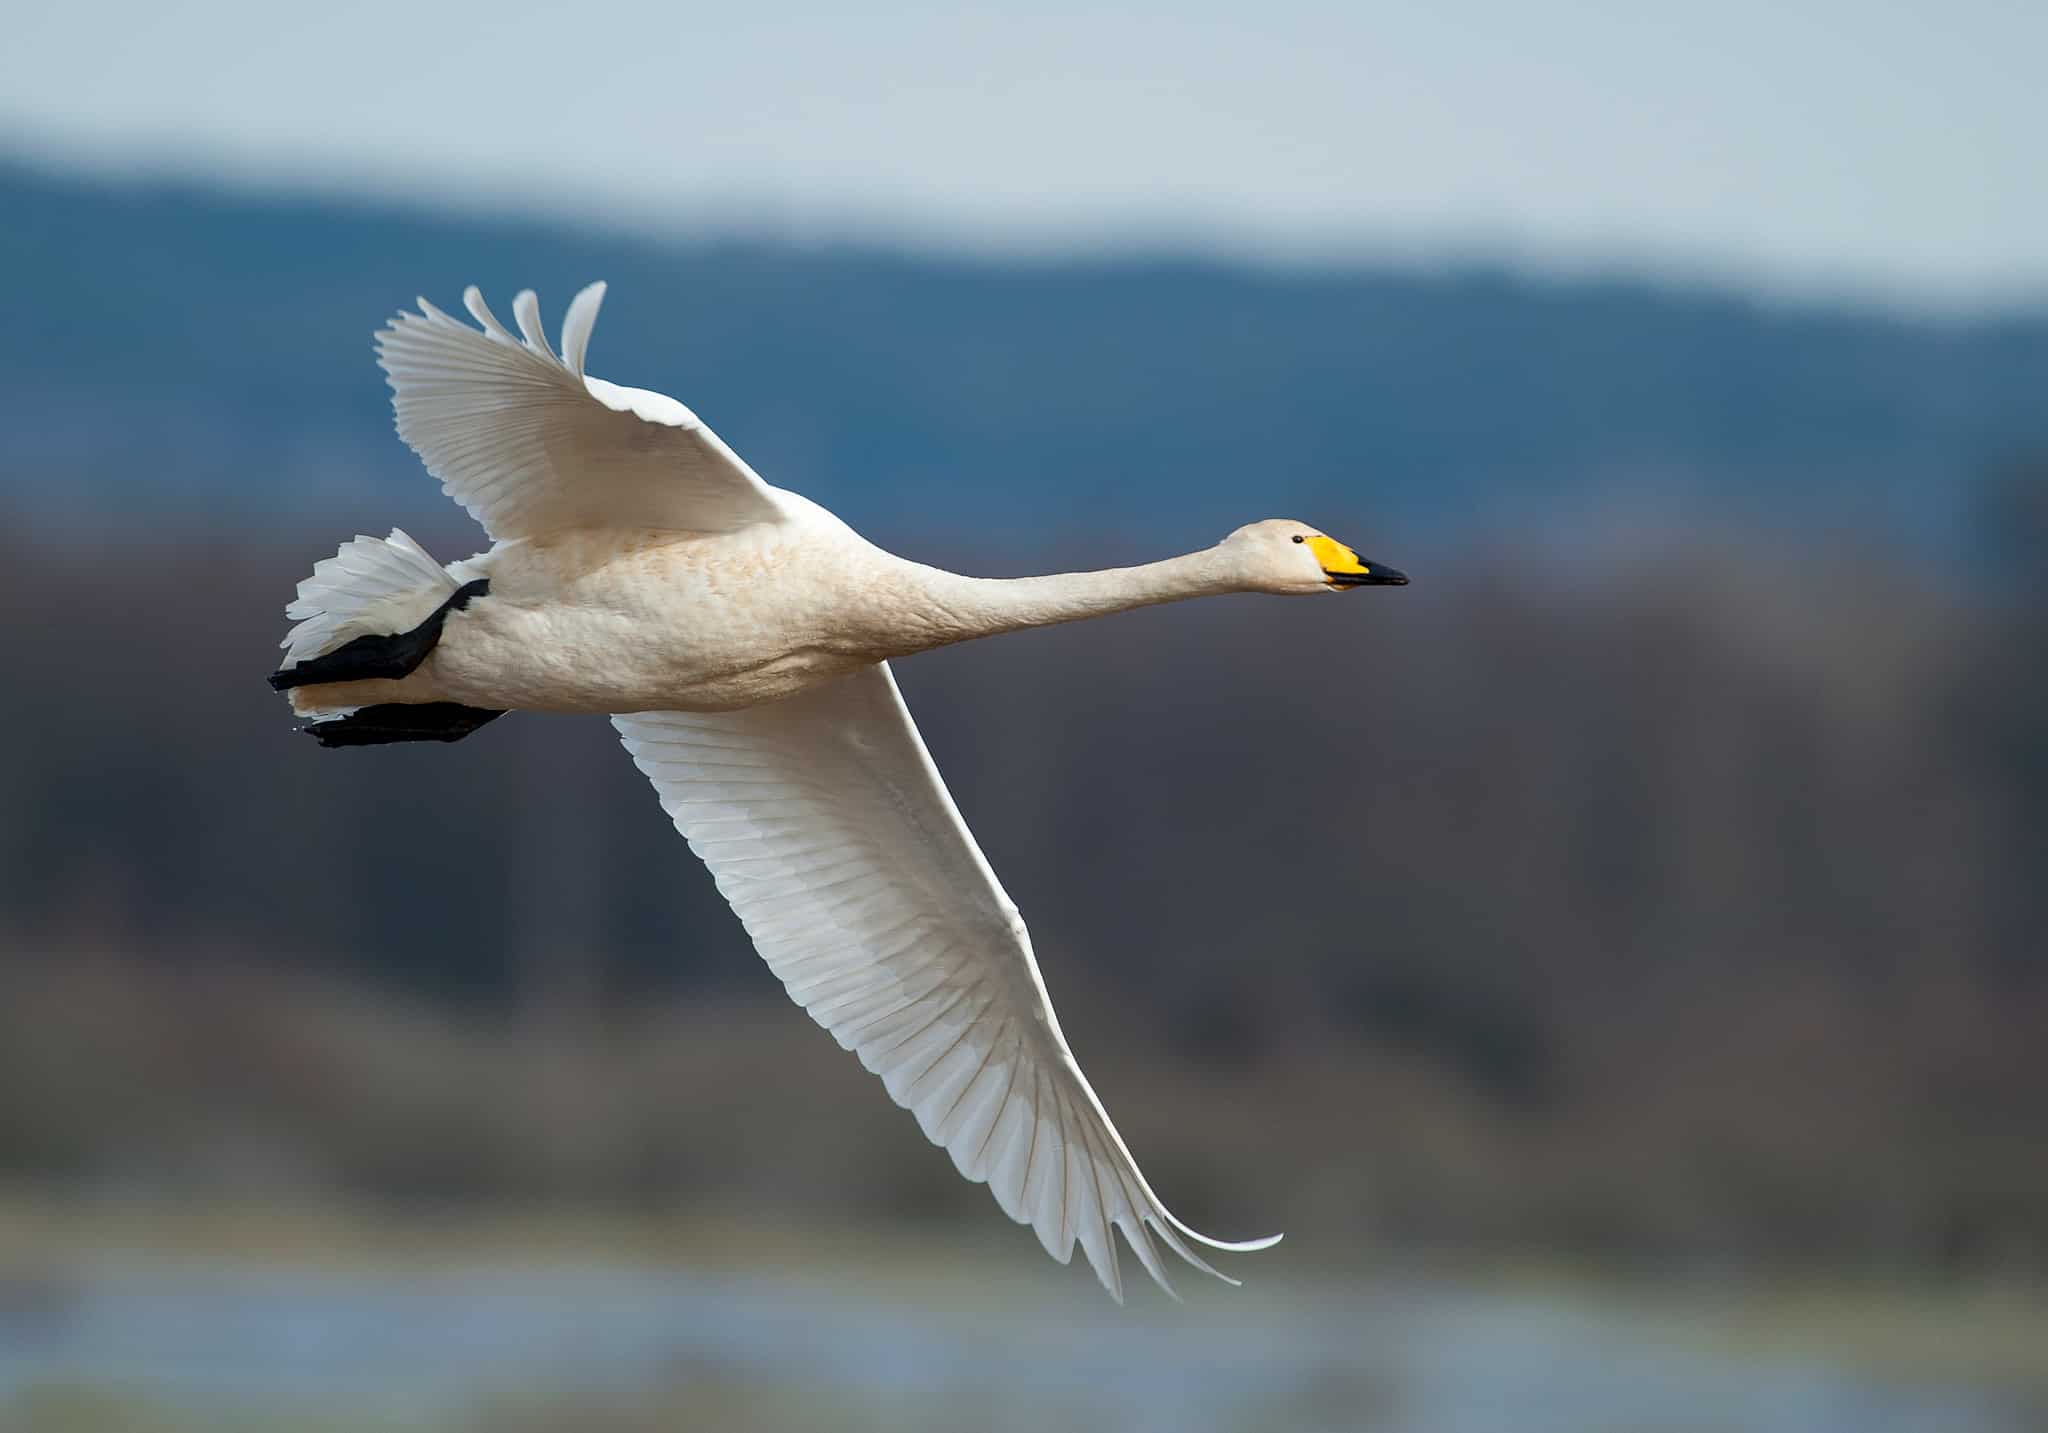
(530, 444)
(827, 827)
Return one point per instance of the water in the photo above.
(422, 1349)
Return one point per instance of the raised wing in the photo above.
(529, 445)
(826, 825)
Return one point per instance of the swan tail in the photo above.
(373, 610)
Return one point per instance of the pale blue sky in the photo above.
(1830, 145)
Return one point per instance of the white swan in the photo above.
(738, 635)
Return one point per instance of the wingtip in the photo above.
(526, 313)
(1228, 1246)
(577, 324)
(473, 300)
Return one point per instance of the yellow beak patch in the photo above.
(1336, 558)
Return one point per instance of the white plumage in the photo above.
(739, 636)
(827, 827)
(370, 585)
(529, 445)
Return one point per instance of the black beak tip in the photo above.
(1373, 576)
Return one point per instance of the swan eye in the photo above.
(1299, 538)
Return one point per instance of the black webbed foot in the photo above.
(401, 721)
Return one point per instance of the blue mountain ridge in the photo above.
(174, 349)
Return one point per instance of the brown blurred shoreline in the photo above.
(1681, 911)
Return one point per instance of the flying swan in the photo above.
(739, 636)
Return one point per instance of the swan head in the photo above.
(1281, 555)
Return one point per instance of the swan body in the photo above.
(618, 621)
(612, 621)
(739, 636)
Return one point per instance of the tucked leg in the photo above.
(401, 721)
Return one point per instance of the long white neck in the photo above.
(947, 607)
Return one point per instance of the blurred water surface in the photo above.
(198, 1342)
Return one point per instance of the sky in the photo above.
(1863, 146)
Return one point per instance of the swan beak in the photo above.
(1344, 568)
(1369, 574)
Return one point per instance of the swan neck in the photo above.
(965, 607)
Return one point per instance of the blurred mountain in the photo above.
(179, 350)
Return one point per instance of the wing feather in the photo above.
(826, 825)
(529, 444)
(577, 324)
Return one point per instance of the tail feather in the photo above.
(370, 586)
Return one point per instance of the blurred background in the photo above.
(1618, 960)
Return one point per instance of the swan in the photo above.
(739, 636)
